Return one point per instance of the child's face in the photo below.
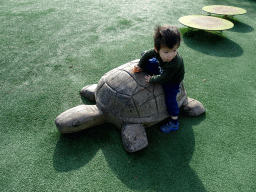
(168, 54)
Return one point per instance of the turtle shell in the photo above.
(127, 96)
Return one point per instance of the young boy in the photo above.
(165, 66)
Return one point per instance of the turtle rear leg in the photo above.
(89, 91)
(134, 137)
(193, 107)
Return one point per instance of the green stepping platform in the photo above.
(206, 23)
(224, 10)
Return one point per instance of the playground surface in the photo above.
(51, 49)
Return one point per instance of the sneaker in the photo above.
(169, 127)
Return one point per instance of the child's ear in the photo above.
(156, 50)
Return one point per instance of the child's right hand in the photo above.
(137, 69)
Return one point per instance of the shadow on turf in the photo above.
(240, 27)
(211, 43)
(162, 166)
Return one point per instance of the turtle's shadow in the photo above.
(87, 101)
(162, 166)
(75, 150)
(211, 43)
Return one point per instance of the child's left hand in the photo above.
(147, 77)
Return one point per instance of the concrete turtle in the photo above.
(125, 99)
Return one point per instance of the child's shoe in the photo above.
(169, 127)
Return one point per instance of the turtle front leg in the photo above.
(89, 91)
(134, 137)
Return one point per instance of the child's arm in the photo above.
(145, 57)
(143, 61)
(175, 74)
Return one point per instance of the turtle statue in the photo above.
(125, 99)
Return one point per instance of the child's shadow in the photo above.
(162, 166)
(211, 43)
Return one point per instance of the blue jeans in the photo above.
(171, 90)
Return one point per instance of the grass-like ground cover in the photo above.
(51, 49)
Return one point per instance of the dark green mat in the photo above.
(51, 49)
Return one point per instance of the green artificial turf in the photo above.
(51, 49)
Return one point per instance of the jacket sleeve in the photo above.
(174, 73)
(167, 75)
(144, 59)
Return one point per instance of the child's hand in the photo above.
(147, 77)
(137, 69)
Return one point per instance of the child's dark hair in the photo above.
(166, 36)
